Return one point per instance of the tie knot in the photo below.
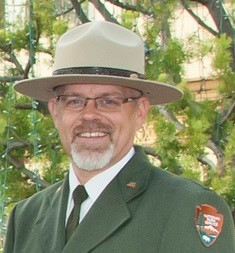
(79, 195)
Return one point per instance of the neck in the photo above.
(83, 175)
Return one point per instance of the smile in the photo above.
(92, 134)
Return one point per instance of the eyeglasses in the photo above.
(104, 104)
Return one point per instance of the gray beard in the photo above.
(91, 160)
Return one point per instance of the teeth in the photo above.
(93, 134)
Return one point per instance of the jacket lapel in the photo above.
(50, 224)
(113, 208)
(107, 214)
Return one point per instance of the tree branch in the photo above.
(218, 14)
(65, 12)
(79, 11)
(206, 161)
(103, 11)
(15, 145)
(18, 164)
(219, 155)
(168, 115)
(230, 112)
(28, 173)
(23, 106)
(12, 58)
(41, 107)
(221, 20)
(9, 79)
(131, 7)
(198, 19)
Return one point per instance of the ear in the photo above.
(53, 110)
(141, 112)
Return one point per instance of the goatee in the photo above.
(91, 159)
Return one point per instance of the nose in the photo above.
(90, 111)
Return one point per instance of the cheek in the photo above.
(125, 128)
(64, 127)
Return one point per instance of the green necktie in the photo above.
(79, 195)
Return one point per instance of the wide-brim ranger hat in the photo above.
(99, 52)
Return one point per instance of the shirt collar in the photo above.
(97, 184)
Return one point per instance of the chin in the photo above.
(92, 160)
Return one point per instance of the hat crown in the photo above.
(100, 44)
(99, 52)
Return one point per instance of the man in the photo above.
(98, 98)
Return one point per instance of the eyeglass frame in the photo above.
(97, 106)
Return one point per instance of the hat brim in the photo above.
(42, 88)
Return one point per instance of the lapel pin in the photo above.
(131, 185)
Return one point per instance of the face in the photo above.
(93, 138)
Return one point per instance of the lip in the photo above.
(92, 131)
(92, 140)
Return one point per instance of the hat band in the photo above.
(98, 71)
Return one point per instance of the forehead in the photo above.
(95, 89)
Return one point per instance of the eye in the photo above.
(111, 101)
(73, 101)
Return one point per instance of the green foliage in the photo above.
(43, 12)
(59, 27)
(166, 64)
(225, 185)
(181, 105)
(172, 60)
(14, 181)
(129, 19)
(222, 64)
(167, 145)
(197, 48)
(191, 167)
(7, 37)
(230, 147)
(28, 139)
(222, 54)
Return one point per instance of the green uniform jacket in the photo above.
(143, 210)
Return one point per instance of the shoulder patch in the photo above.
(209, 223)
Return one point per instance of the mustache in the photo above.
(92, 126)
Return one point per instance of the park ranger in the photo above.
(113, 200)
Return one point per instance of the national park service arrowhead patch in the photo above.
(209, 223)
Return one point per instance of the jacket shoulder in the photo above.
(37, 200)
